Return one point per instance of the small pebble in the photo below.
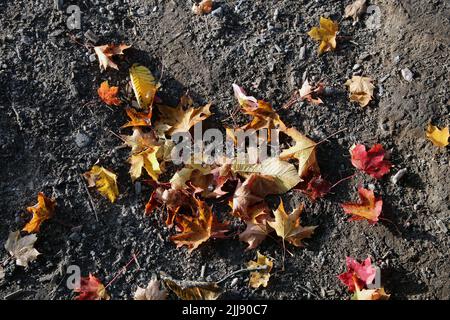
(92, 57)
(441, 226)
(356, 67)
(82, 140)
(396, 178)
(234, 282)
(407, 74)
(302, 52)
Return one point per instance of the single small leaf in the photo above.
(304, 151)
(317, 187)
(138, 119)
(21, 248)
(439, 137)
(370, 294)
(91, 288)
(361, 90)
(152, 292)
(109, 94)
(146, 159)
(369, 208)
(309, 93)
(144, 86)
(288, 226)
(104, 180)
(326, 34)
(193, 290)
(358, 275)
(106, 52)
(41, 211)
(197, 229)
(261, 277)
(371, 162)
(204, 7)
(355, 10)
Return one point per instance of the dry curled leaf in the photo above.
(197, 229)
(326, 34)
(370, 294)
(439, 137)
(288, 227)
(144, 86)
(109, 94)
(204, 7)
(91, 288)
(41, 211)
(152, 292)
(193, 290)
(355, 10)
(310, 93)
(369, 208)
(138, 119)
(21, 248)
(261, 277)
(106, 52)
(104, 180)
(361, 90)
(145, 160)
(371, 162)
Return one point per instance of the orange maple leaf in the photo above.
(369, 208)
(41, 211)
(106, 52)
(109, 94)
(91, 288)
(196, 230)
(138, 119)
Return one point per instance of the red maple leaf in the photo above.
(317, 188)
(369, 208)
(371, 162)
(91, 288)
(358, 274)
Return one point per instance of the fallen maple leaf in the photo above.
(151, 292)
(304, 151)
(317, 187)
(370, 294)
(249, 103)
(355, 10)
(261, 277)
(146, 159)
(371, 162)
(439, 137)
(91, 288)
(106, 52)
(21, 248)
(109, 94)
(144, 86)
(358, 275)
(104, 180)
(196, 230)
(361, 90)
(369, 208)
(308, 92)
(180, 120)
(326, 34)
(138, 119)
(288, 227)
(204, 7)
(193, 290)
(41, 211)
(139, 141)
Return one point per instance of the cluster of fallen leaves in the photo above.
(187, 199)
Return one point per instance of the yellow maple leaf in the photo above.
(104, 180)
(139, 140)
(361, 90)
(181, 120)
(41, 211)
(106, 52)
(288, 226)
(326, 34)
(439, 137)
(144, 85)
(261, 277)
(304, 151)
(146, 159)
